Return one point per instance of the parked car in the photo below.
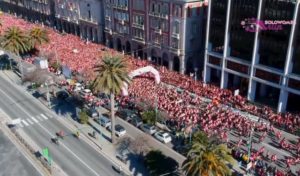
(85, 92)
(104, 121)
(136, 121)
(163, 137)
(119, 129)
(125, 114)
(149, 129)
(92, 112)
(122, 156)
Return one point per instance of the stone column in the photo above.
(282, 103)
(182, 64)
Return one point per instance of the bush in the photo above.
(149, 117)
(83, 116)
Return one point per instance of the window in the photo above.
(175, 43)
(176, 27)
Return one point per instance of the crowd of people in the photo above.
(179, 96)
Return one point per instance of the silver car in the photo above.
(149, 129)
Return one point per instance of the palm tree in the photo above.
(15, 41)
(112, 74)
(38, 36)
(208, 159)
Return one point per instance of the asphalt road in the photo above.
(74, 156)
(12, 162)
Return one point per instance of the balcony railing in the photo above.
(120, 7)
(175, 50)
(107, 30)
(139, 39)
(89, 20)
(140, 26)
(108, 18)
(159, 15)
(175, 35)
(157, 30)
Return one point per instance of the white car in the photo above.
(119, 130)
(163, 137)
(149, 129)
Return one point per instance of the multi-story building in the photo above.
(32, 10)
(253, 46)
(166, 32)
(84, 18)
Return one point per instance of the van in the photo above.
(104, 121)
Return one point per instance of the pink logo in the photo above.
(253, 25)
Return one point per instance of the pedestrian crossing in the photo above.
(34, 120)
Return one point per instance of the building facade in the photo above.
(166, 32)
(84, 18)
(253, 46)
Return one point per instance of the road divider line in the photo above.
(34, 119)
(45, 117)
(25, 122)
(52, 136)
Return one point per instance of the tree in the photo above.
(111, 75)
(149, 117)
(140, 145)
(159, 164)
(83, 117)
(207, 158)
(15, 41)
(38, 36)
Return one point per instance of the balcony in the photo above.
(157, 30)
(108, 18)
(175, 50)
(109, 31)
(88, 20)
(140, 26)
(139, 40)
(175, 35)
(120, 7)
(159, 15)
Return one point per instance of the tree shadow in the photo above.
(136, 164)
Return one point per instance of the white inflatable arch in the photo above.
(138, 72)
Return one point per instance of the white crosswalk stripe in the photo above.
(34, 119)
(45, 117)
(20, 124)
(25, 123)
(30, 121)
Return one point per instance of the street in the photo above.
(74, 156)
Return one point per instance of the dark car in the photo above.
(62, 95)
(136, 121)
(125, 114)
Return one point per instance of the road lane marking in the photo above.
(34, 119)
(25, 122)
(49, 115)
(28, 114)
(20, 124)
(52, 136)
(30, 121)
(45, 117)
